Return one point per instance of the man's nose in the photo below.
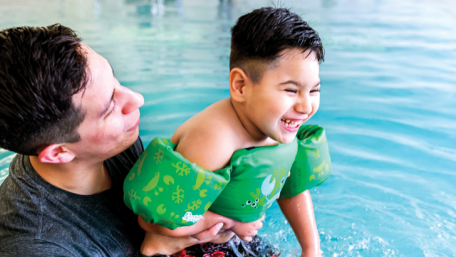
(133, 101)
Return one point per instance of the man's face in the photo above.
(287, 95)
(111, 113)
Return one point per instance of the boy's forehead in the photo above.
(293, 65)
(299, 53)
(257, 68)
(291, 54)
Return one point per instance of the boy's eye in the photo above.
(291, 90)
(315, 90)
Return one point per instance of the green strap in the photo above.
(312, 165)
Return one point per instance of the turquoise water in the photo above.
(387, 102)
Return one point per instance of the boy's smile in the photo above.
(291, 125)
(287, 95)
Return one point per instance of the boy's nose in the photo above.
(133, 101)
(303, 105)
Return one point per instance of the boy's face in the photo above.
(286, 96)
(111, 117)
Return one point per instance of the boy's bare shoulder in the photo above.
(209, 138)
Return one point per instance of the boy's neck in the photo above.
(76, 176)
(256, 136)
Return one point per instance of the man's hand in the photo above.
(156, 243)
(208, 221)
(245, 231)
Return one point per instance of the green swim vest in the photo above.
(165, 188)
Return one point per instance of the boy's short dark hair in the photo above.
(258, 38)
(41, 68)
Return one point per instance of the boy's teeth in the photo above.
(290, 123)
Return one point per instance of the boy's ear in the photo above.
(55, 153)
(238, 82)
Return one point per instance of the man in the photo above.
(75, 129)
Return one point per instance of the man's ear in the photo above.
(238, 82)
(55, 153)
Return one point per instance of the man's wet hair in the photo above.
(41, 68)
(260, 36)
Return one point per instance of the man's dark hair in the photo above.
(41, 68)
(258, 38)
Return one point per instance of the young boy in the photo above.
(274, 88)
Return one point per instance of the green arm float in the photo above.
(312, 165)
(257, 177)
(165, 188)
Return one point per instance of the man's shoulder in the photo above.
(20, 200)
(37, 213)
(20, 187)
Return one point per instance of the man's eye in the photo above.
(112, 109)
(315, 90)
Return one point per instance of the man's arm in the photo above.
(33, 247)
(155, 243)
(245, 231)
(209, 219)
(300, 214)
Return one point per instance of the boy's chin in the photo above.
(286, 140)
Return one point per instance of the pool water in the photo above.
(387, 102)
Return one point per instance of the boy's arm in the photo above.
(300, 214)
(211, 148)
(206, 148)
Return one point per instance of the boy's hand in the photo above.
(245, 231)
(156, 243)
(300, 214)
